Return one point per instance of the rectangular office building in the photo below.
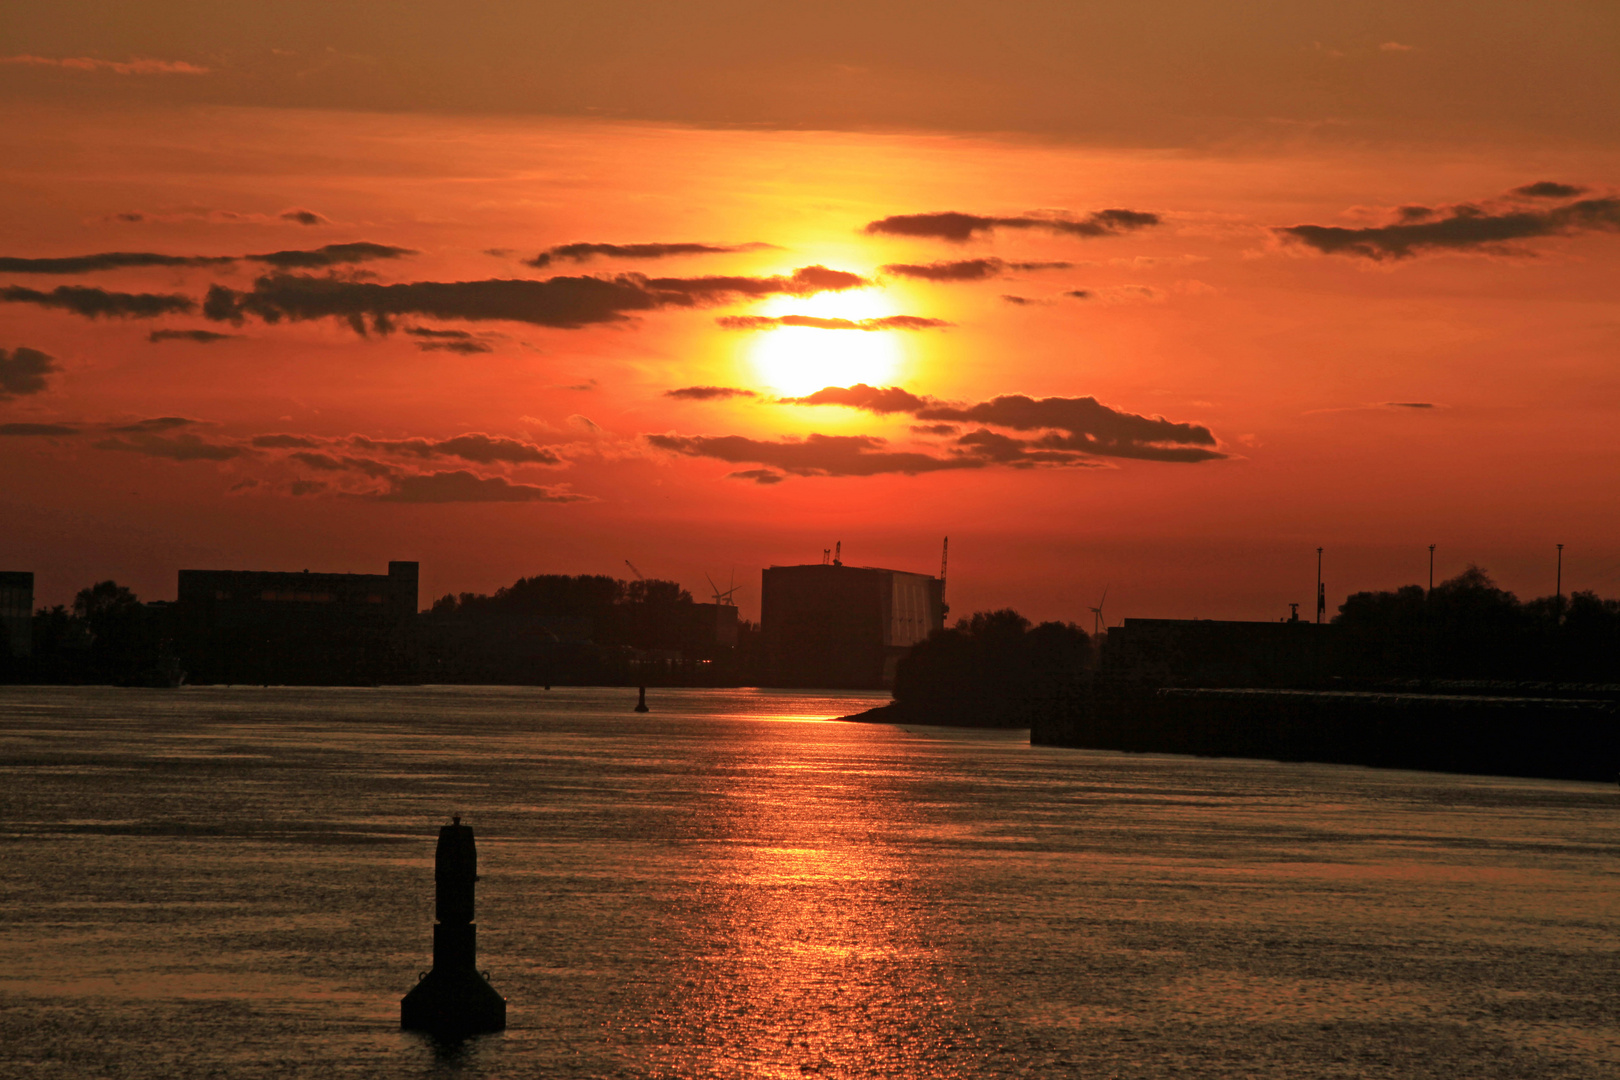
(836, 626)
(259, 626)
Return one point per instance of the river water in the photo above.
(238, 883)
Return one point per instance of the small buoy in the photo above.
(641, 703)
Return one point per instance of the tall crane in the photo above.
(633, 570)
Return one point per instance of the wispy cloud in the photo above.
(142, 66)
(886, 322)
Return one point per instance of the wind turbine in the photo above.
(723, 598)
(1097, 614)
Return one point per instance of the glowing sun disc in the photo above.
(797, 360)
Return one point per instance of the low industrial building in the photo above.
(16, 613)
(828, 625)
(257, 626)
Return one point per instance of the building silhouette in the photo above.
(1220, 652)
(16, 613)
(256, 626)
(835, 626)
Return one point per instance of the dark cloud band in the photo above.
(1463, 227)
(95, 303)
(967, 269)
(581, 252)
(958, 227)
(562, 302)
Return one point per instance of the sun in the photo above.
(796, 360)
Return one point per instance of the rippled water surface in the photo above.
(238, 883)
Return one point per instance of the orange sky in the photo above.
(1255, 389)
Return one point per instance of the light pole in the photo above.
(1560, 580)
(1431, 568)
(1321, 597)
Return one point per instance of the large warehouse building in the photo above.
(258, 626)
(830, 625)
(16, 613)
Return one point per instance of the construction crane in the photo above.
(633, 570)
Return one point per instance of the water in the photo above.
(238, 883)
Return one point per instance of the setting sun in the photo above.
(796, 360)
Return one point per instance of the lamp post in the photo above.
(1560, 580)
(1431, 568)
(1321, 597)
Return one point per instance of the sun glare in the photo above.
(797, 360)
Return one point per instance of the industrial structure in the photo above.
(16, 613)
(835, 626)
(1216, 652)
(255, 626)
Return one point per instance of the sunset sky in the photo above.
(1157, 297)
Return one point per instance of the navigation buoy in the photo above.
(454, 999)
(641, 702)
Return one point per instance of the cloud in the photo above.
(1462, 227)
(107, 260)
(758, 476)
(967, 269)
(117, 67)
(887, 322)
(1020, 301)
(467, 348)
(473, 446)
(201, 337)
(959, 227)
(430, 332)
(1410, 404)
(331, 255)
(300, 216)
(563, 302)
(461, 486)
(1396, 47)
(582, 252)
(94, 303)
(1079, 294)
(934, 429)
(1080, 425)
(306, 487)
(814, 455)
(708, 393)
(328, 463)
(284, 442)
(1549, 189)
(185, 446)
(158, 423)
(23, 371)
(41, 430)
(880, 400)
(456, 341)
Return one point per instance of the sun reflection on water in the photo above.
(827, 965)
